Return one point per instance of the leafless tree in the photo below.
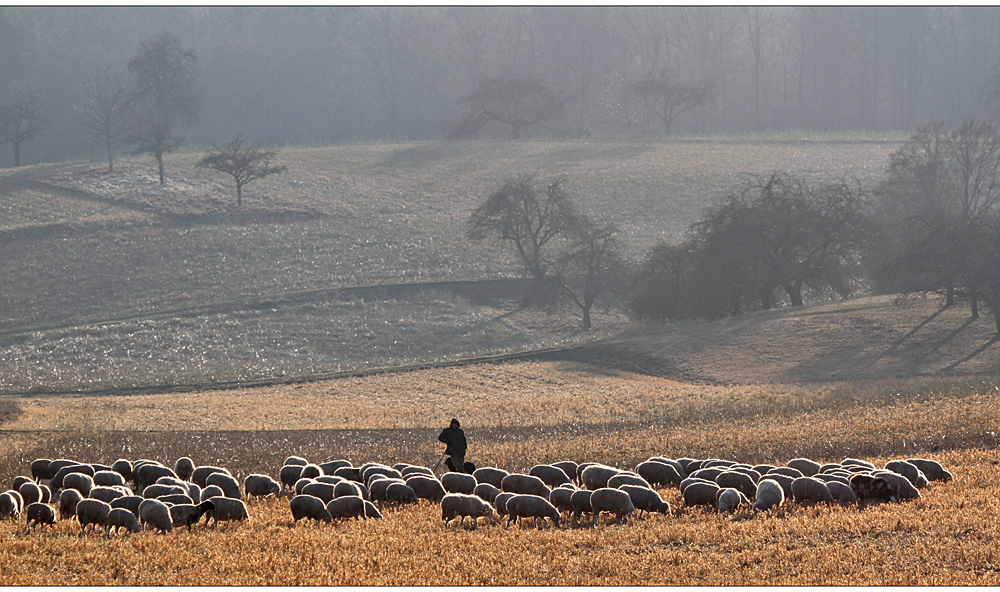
(593, 265)
(518, 101)
(242, 160)
(668, 98)
(103, 109)
(21, 121)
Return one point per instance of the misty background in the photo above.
(319, 75)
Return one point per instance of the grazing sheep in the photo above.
(39, 513)
(658, 473)
(347, 473)
(645, 499)
(227, 509)
(500, 503)
(123, 467)
(842, 492)
(562, 498)
(700, 493)
(371, 512)
(829, 478)
(786, 471)
(288, 475)
(806, 466)
(379, 470)
(596, 476)
(379, 486)
(908, 470)
(416, 470)
(189, 514)
(109, 479)
(184, 468)
(147, 474)
(398, 492)
(689, 465)
(349, 488)
(900, 484)
(349, 506)
(324, 491)
(531, 506)
(31, 492)
(229, 485)
(426, 487)
(761, 469)
(749, 472)
(931, 469)
(552, 476)
(200, 474)
(729, 499)
(458, 483)
(212, 491)
(525, 484)
(55, 483)
(717, 462)
(128, 502)
(80, 482)
(626, 478)
(580, 468)
(330, 466)
(808, 490)
(168, 480)
(308, 506)
(105, 494)
(456, 505)
(784, 481)
(119, 518)
(858, 463)
(155, 514)
(310, 471)
(40, 469)
(376, 478)
(9, 506)
(580, 502)
(770, 494)
(491, 475)
(569, 467)
(295, 460)
(871, 488)
(20, 480)
(738, 481)
(829, 467)
(260, 486)
(687, 481)
(157, 490)
(610, 500)
(92, 511)
(707, 473)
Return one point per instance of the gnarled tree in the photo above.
(21, 121)
(518, 101)
(243, 161)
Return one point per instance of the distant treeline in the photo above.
(314, 75)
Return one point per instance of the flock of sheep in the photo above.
(104, 495)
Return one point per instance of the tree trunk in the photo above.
(239, 195)
(159, 161)
(949, 299)
(17, 154)
(974, 306)
(111, 164)
(795, 294)
(586, 317)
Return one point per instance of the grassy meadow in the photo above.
(122, 303)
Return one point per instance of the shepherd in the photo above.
(454, 437)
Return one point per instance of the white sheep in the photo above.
(910, 471)
(148, 473)
(378, 488)
(349, 506)
(769, 495)
(491, 475)
(580, 502)
(628, 478)
(184, 468)
(784, 481)
(871, 488)
(456, 505)
(707, 473)
(200, 474)
(806, 466)
(257, 485)
(525, 484)
(158, 489)
(808, 490)
(615, 501)
(562, 498)
(399, 492)
(426, 487)
(900, 484)
(729, 499)
(458, 483)
(105, 494)
(645, 499)
(91, 511)
(486, 492)
(227, 509)
(787, 471)
(552, 476)
(128, 502)
(39, 513)
(109, 479)
(569, 467)
(31, 492)
(324, 491)
(350, 488)
(189, 514)
(596, 476)
(842, 492)
(155, 515)
(415, 469)
(738, 481)
(229, 485)
(685, 482)
(309, 506)
(658, 473)
(700, 493)
(931, 469)
(330, 466)
(530, 506)
(119, 518)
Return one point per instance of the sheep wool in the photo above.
(91, 511)
(39, 513)
(456, 505)
(308, 506)
(156, 515)
(120, 518)
(613, 501)
(530, 506)
(458, 483)
(769, 495)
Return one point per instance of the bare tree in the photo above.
(21, 121)
(165, 96)
(103, 109)
(668, 98)
(515, 100)
(592, 266)
(242, 160)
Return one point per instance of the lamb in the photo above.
(610, 500)
(645, 499)
(398, 492)
(347, 507)
(260, 486)
(931, 469)
(531, 506)
(486, 492)
(626, 478)
(807, 467)
(109, 479)
(596, 476)
(9, 506)
(562, 498)
(200, 474)
(188, 514)
(491, 475)
(729, 499)
(738, 481)
(900, 484)
(868, 487)
(658, 473)
(500, 503)
(155, 514)
(525, 484)
(288, 475)
(454, 505)
(184, 468)
(311, 507)
(129, 502)
(105, 494)
(91, 511)
(458, 483)
(842, 492)
(426, 487)
(550, 475)
(806, 490)
(908, 470)
(295, 460)
(39, 513)
(227, 509)
(700, 493)
(770, 494)
(229, 485)
(580, 501)
(30, 492)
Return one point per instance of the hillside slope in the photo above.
(866, 338)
